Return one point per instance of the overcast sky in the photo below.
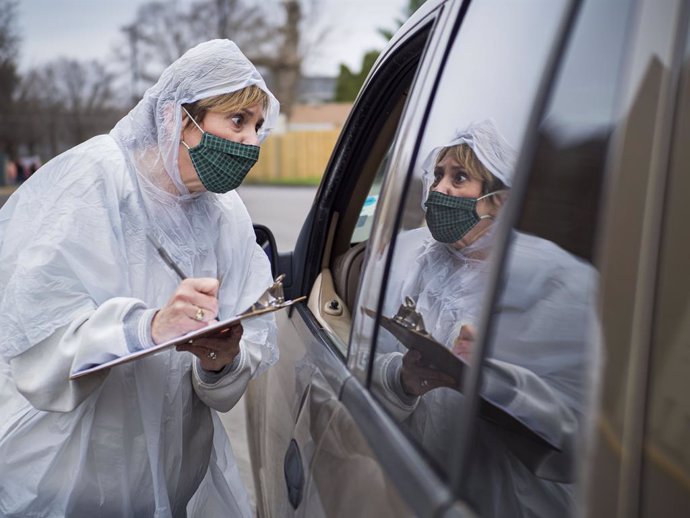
(88, 29)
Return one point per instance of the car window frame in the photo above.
(361, 359)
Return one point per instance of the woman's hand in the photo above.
(215, 353)
(193, 305)
(418, 377)
(463, 344)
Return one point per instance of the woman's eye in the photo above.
(460, 177)
(237, 120)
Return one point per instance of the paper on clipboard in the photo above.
(271, 300)
(408, 327)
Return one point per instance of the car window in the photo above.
(351, 189)
(544, 346)
(365, 221)
(442, 256)
(665, 481)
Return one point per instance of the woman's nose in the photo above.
(250, 137)
(443, 186)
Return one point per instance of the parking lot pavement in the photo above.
(281, 209)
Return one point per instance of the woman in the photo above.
(81, 284)
(542, 363)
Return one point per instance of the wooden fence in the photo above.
(294, 157)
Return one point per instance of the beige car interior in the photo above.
(335, 290)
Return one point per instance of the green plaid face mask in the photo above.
(220, 163)
(451, 217)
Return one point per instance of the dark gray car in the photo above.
(571, 398)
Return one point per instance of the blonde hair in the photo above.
(226, 103)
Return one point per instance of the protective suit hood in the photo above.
(212, 68)
(492, 150)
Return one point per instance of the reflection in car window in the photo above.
(537, 376)
(665, 488)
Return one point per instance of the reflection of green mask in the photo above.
(451, 217)
(221, 163)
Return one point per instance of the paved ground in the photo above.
(282, 209)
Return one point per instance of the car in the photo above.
(594, 98)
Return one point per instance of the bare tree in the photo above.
(66, 102)
(9, 79)
(268, 34)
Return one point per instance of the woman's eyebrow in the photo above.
(454, 168)
(248, 111)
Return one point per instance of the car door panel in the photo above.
(285, 406)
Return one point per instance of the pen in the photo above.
(166, 258)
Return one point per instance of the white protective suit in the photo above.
(79, 283)
(542, 366)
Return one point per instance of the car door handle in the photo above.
(294, 474)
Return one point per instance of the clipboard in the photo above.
(407, 326)
(433, 353)
(270, 300)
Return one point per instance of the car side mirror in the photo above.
(267, 242)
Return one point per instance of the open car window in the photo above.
(364, 154)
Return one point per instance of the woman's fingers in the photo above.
(200, 294)
(419, 378)
(191, 307)
(215, 353)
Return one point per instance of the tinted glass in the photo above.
(438, 277)
(544, 343)
(666, 465)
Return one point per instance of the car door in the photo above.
(304, 448)
(326, 439)
(638, 468)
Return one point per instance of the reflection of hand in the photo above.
(463, 344)
(192, 306)
(418, 377)
(215, 353)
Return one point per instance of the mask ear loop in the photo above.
(489, 216)
(195, 123)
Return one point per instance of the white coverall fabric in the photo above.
(143, 441)
(543, 363)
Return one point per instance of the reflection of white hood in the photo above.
(73, 240)
(492, 150)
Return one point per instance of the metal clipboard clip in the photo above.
(408, 317)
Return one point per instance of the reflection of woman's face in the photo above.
(451, 178)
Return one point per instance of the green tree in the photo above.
(349, 83)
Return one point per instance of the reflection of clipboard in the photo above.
(433, 353)
(408, 327)
(271, 300)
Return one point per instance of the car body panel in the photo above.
(321, 442)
